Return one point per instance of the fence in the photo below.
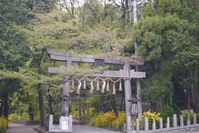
(173, 125)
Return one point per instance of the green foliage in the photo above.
(91, 113)
(3, 124)
(13, 11)
(43, 6)
(186, 114)
(17, 117)
(159, 85)
(158, 36)
(166, 111)
(56, 117)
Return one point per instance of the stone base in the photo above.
(65, 125)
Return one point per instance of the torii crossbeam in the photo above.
(108, 73)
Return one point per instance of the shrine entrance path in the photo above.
(19, 128)
(88, 129)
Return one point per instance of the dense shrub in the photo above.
(87, 114)
(3, 125)
(166, 111)
(109, 120)
(187, 114)
(16, 117)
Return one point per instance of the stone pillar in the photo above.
(194, 119)
(137, 124)
(181, 121)
(146, 124)
(139, 103)
(161, 123)
(50, 122)
(64, 122)
(175, 120)
(168, 122)
(128, 96)
(188, 121)
(70, 123)
(154, 124)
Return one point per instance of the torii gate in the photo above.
(125, 73)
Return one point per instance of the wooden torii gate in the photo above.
(125, 73)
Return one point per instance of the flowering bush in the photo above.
(118, 122)
(103, 120)
(16, 117)
(151, 115)
(109, 120)
(187, 114)
(88, 114)
(3, 125)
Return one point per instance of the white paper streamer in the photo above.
(103, 86)
(120, 86)
(107, 86)
(92, 87)
(114, 89)
(79, 87)
(98, 85)
(84, 85)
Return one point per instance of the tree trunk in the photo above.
(121, 104)
(72, 2)
(113, 104)
(83, 18)
(196, 91)
(41, 107)
(5, 105)
(31, 112)
(105, 9)
(153, 3)
(91, 20)
(188, 99)
(127, 12)
(50, 105)
(79, 108)
(1, 107)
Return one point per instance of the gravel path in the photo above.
(18, 128)
(88, 129)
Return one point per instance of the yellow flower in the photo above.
(151, 115)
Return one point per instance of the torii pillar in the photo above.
(128, 96)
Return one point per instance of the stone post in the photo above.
(181, 121)
(188, 121)
(70, 123)
(168, 122)
(175, 120)
(50, 122)
(139, 103)
(194, 119)
(137, 124)
(146, 124)
(161, 123)
(154, 124)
